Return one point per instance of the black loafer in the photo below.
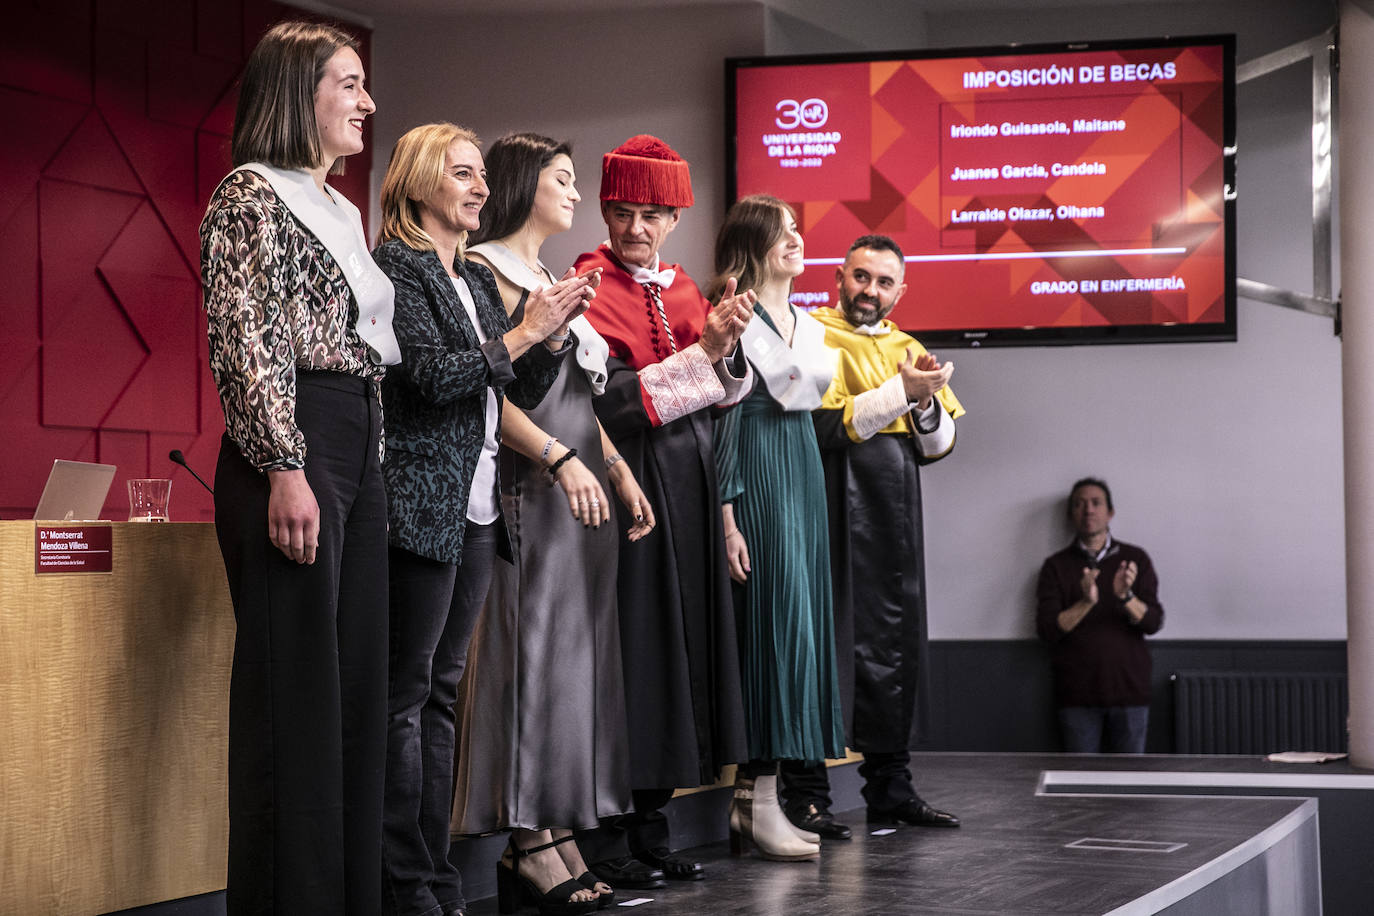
(628, 872)
(677, 867)
(915, 812)
(820, 821)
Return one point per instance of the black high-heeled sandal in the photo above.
(513, 888)
(590, 882)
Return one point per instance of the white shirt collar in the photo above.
(1106, 546)
(646, 275)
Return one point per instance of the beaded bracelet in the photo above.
(553, 468)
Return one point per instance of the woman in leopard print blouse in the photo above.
(300, 333)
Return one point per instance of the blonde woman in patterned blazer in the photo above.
(462, 357)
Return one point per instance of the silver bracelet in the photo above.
(612, 459)
(558, 338)
(548, 447)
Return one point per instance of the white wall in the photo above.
(593, 79)
(811, 27)
(1225, 459)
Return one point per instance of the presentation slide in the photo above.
(1074, 189)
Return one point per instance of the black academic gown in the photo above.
(676, 616)
(873, 495)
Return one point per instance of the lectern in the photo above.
(114, 716)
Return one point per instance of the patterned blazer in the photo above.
(435, 400)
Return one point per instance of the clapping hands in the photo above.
(922, 376)
(727, 321)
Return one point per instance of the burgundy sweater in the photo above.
(1104, 660)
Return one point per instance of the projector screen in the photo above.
(1079, 193)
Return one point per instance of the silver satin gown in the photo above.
(542, 703)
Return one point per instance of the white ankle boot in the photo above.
(809, 836)
(756, 819)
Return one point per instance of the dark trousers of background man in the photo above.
(307, 697)
(1104, 729)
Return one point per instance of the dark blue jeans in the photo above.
(434, 607)
(1104, 729)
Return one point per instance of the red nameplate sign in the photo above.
(72, 548)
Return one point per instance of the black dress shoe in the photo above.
(456, 911)
(820, 820)
(915, 812)
(628, 872)
(677, 867)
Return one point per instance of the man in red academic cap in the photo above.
(672, 356)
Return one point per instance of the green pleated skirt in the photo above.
(786, 628)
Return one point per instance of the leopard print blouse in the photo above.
(275, 300)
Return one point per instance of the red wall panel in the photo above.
(126, 108)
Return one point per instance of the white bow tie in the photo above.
(664, 278)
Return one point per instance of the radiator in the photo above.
(1235, 712)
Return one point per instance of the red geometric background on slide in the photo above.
(1162, 187)
(124, 110)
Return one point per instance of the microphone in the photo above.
(176, 455)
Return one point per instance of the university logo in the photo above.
(811, 114)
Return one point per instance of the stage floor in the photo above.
(1031, 844)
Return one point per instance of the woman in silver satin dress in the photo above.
(543, 746)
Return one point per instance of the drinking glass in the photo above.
(148, 499)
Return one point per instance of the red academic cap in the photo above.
(645, 170)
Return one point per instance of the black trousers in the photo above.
(307, 696)
(887, 782)
(434, 608)
(644, 828)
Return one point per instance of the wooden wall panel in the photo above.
(125, 108)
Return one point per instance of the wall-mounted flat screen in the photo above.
(1049, 194)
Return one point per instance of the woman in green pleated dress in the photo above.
(775, 524)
